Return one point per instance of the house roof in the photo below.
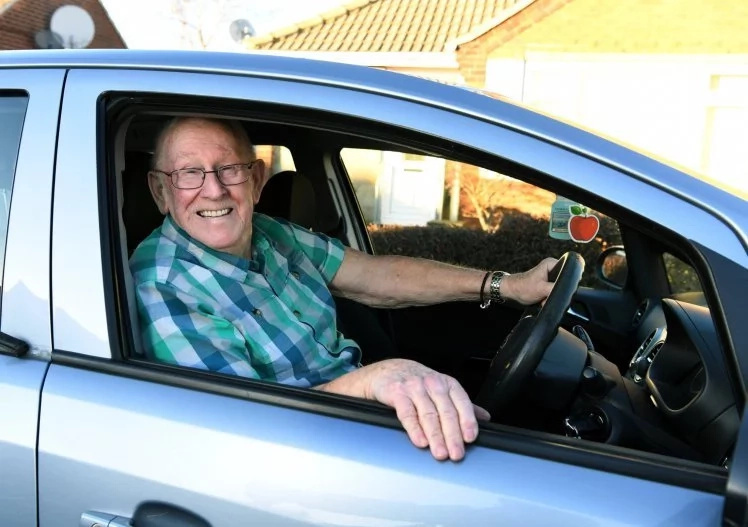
(390, 26)
(21, 20)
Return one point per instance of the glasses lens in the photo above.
(188, 178)
(233, 174)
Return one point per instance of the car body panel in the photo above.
(268, 465)
(25, 295)
(26, 274)
(78, 314)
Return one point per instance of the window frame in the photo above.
(592, 455)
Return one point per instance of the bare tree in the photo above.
(489, 196)
(482, 196)
(201, 20)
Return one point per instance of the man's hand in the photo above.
(433, 408)
(531, 286)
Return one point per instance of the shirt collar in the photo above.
(224, 263)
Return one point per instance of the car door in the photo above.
(29, 103)
(116, 432)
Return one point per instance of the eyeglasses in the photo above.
(192, 178)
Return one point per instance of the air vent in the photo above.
(648, 341)
(657, 348)
(639, 313)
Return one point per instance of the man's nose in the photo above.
(211, 185)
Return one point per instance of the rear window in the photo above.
(12, 112)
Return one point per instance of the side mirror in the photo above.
(611, 267)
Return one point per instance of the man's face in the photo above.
(219, 216)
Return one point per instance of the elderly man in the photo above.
(224, 289)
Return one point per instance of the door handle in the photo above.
(103, 519)
(147, 514)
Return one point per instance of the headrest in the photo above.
(289, 195)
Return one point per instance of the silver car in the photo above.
(629, 413)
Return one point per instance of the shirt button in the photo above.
(295, 274)
(297, 313)
(257, 313)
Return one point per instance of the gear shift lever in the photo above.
(582, 335)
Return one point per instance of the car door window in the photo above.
(425, 206)
(12, 112)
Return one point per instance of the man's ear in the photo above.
(158, 191)
(259, 177)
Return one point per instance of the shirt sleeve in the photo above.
(325, 253)
(178, 330)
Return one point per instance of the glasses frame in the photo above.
(217, 172)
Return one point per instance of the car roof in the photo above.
(466, 101)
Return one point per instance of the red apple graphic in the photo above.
(582, 226)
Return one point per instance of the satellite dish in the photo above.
(46, 39)
(73, 25)
(241, 29)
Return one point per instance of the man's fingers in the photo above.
(408, 416)
(433, 408)
(454, 421)
(430, 418)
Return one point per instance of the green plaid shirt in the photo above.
(271, 317)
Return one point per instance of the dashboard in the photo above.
(681, 365)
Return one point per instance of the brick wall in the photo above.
(611, 26)
(472, 56)
(21, 19)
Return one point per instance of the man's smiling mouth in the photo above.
(213, 213)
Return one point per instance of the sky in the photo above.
(179, 24)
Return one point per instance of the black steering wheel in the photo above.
(521, 351)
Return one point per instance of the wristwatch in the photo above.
(495, 287)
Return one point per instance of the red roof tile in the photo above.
(388, 26)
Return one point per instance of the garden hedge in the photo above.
(519, 243)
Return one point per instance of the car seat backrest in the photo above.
(290, 195)
(139, 212)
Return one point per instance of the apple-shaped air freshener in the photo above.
(582, 225)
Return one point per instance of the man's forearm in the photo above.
(398, 281)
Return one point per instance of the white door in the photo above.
(411, 189)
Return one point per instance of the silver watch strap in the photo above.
(495, 287)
